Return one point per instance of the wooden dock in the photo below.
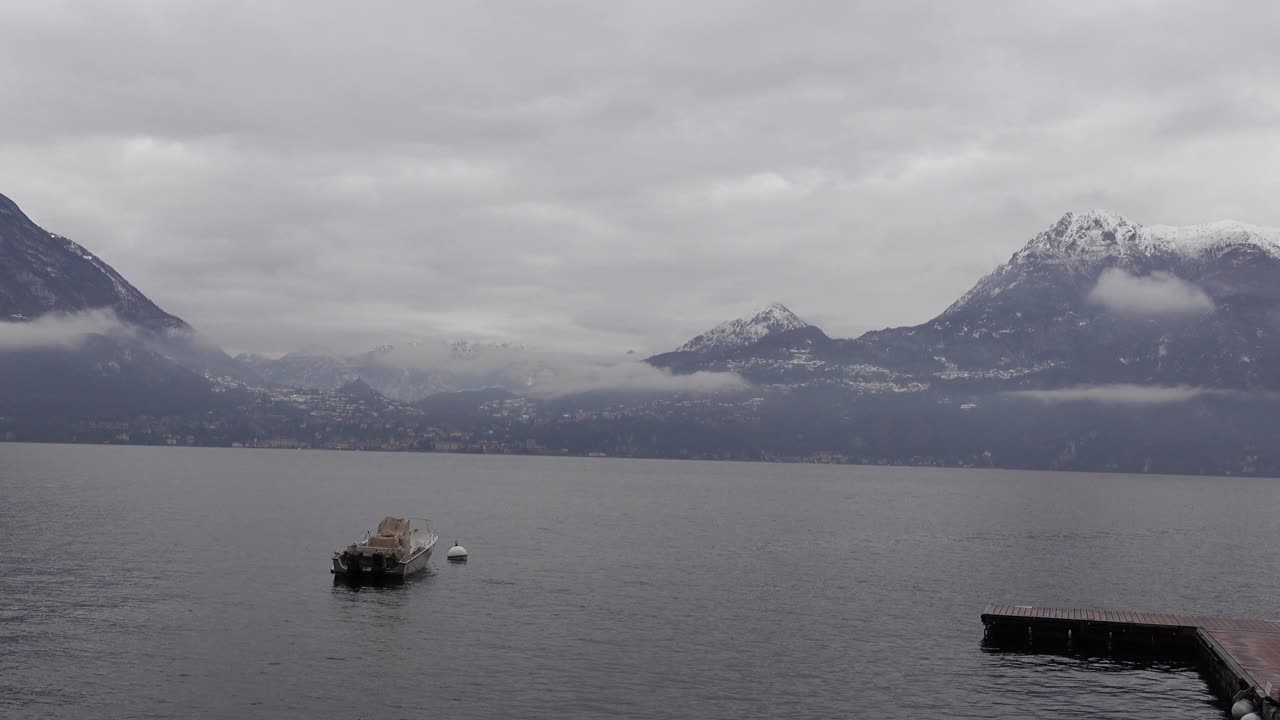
(1240, 656)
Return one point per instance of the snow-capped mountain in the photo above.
(1080, 246)
(1097, 298)
(745, 331)
(1093, 299)
(771, 345)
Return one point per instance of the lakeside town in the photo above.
(355, 417)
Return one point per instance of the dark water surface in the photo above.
(159, 582)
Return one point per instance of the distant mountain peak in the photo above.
(777, 310)
(1197, 240)
(1084, 234)
(441, 348)
(1097, 216)
(769, 320)
(1065, 259)
(1094, 234)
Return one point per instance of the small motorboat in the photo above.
(395, 550)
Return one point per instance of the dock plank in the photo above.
(1132, 617)
(1258, 653)
(1248, 647)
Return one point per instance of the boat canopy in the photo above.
(392, 534)
(393, 526)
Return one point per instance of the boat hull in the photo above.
(394, 570)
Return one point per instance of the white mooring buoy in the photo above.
(1241, 708)
(1252, 716)
(457, 553)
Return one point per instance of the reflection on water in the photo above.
(371, 583)
(1099, 686)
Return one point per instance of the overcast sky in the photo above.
(607, 175)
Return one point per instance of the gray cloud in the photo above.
(592, 176)
(633, 376)
(548, 373)
(59, 330)
(1123, 394)
(1156, 294)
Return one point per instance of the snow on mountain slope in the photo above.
(1196, 241)
(1074, 251)
(1194, 305)
(1102, 233)
(749, 330)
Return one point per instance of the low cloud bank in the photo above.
(1123, 394)
(545, 373)
(1159, 293)
(59, 330)
(629, 375)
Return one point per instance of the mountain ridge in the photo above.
(949, 391)
(1036, 321)
(43, 272)
(746, 330)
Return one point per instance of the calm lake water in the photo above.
(165, 582)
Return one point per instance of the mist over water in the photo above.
(146, 582)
